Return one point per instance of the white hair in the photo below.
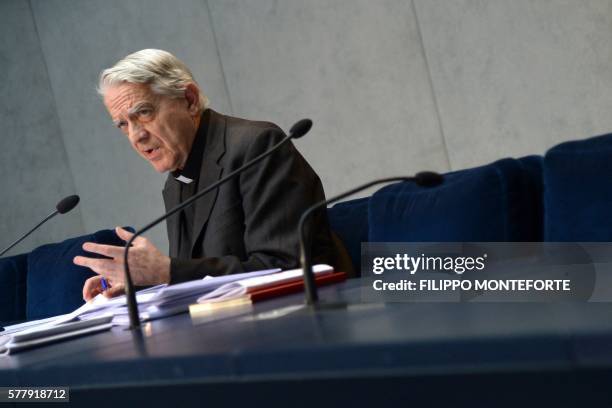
(162, 71)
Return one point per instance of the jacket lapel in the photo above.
(171, 194)
(210, 172)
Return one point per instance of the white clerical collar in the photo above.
(184, 179)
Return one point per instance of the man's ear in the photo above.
(192, 95)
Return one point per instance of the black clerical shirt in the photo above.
(188, 178)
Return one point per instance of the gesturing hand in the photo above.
(148, 266)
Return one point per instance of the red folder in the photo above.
(295, 286)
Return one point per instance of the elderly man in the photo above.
(247, 224)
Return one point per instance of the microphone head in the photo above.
(67, 204)
(300, 128)
(428, 179)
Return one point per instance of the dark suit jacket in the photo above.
(250, 222)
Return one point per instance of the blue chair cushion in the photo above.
(493, 203)
(349, 220)
(13, 273)
(578, 191)
(54, 282)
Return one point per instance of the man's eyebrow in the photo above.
(134, 109)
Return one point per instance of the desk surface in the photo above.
(279, 339)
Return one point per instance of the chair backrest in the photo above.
(501, 201)
(491, 203)
(13, 276)
(54, 282)
(578, 194)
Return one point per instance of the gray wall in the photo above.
(393, 86)
(33, 159)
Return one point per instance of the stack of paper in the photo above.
(154, 302)
(166, 300)
(158, 301)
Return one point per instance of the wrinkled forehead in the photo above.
(119, 99)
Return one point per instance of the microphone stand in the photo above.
(64, 206)
(47, 218)
(423, 179)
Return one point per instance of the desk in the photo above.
(457, 353)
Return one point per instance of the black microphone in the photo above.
(423, 179)
(62, 207)
(298, 130)
(67, 204)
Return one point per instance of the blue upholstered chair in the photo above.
(564, 197)
(501, 201)
(45, 282)
(13, 275)
(578, 194)
(497, 202)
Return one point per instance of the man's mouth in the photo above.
(151, 153)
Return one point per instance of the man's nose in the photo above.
(137, 133)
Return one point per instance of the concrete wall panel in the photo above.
(517, 77)
(35, 173)
(355, 67)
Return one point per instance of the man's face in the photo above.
(161, 129)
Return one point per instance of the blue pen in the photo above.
(104, 285)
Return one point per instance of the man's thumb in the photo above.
(123, 234)
(114, 291)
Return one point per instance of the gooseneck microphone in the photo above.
(423, 179)
(298, 130)
(62, 207)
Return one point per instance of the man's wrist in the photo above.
(165, 271)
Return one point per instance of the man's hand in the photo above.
(148, 266)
